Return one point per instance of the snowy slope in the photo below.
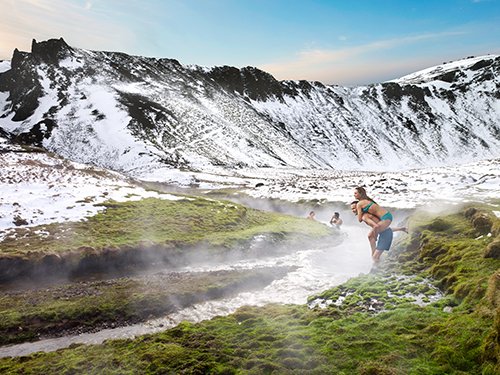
(40, 188)
(146, 116)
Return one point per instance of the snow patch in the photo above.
(40, 189)
(4, 66)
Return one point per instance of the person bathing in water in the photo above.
(336, 221)
(384, 238)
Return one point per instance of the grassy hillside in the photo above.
(371, 326)
(177, 224)
(141, 233)
(153, 230)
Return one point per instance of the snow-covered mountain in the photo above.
(136, 114)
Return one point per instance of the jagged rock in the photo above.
(20, 221)
(51, 51)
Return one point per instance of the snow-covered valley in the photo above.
(99, 126)
(41, 188)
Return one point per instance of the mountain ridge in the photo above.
(137, 114)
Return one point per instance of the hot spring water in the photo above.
(318, 270)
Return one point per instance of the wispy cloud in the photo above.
(79, 23)
(306, 64)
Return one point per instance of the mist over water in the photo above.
(318, 270)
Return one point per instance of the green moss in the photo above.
(104, 303)
(175, 223)
(402, 339)
(159, 228)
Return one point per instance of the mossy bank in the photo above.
(141, 233)
(372, 324)
(91, 306)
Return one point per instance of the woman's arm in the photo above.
(360, 212)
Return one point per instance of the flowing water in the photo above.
(318, 270)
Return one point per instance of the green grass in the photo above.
(25, 315)
(402, 338)
(176, 223)
(165, 227)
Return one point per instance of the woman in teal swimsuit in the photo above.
(366, 204)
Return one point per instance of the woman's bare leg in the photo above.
(372, 238)
(402, 229)
(384, 225)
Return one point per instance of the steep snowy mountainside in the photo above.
(398, 126)
(455, 72)
(138, 115)
(129, 113)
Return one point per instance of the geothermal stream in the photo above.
(318, 270)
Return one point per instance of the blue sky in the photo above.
(335, 42)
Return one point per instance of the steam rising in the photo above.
(318, 270)
(293, 192)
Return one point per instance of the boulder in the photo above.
(482, 222)
(492, 250)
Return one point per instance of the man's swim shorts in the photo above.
(385, 240)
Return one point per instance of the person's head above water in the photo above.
(336, 214)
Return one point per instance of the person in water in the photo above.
(384, 238)
(311, 215)
(368, 205)
(336, 221)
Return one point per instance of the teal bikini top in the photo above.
(367, 207)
